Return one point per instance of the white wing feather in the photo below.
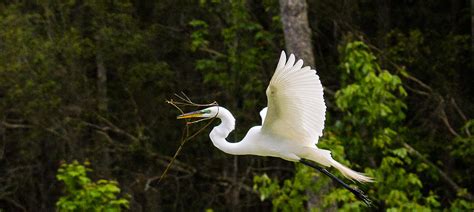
(263, 113)
(296, 108)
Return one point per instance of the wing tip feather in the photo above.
(290, 78)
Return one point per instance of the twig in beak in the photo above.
(185, 135)
(194, 122)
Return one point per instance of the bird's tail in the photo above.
(324, 157)
(351, 174)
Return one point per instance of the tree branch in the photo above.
(14, 203)
(443, 175)
(16, 126)
(110, 127)
(212, 51)
(445, 120)
(182, 167)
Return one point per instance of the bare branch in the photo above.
(16, 126)
(185, 135)
(430, 93)
(458, 109)
(212, 51)
(179, 166)
(464, 118)
(112, 127)
(443, 175)
(14, 203)
(419, 82)
(445, 120)
(106, 136)
(420, 92)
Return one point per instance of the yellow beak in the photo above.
(195, 114)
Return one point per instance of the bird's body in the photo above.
(256, 141)
(291, 124)
(259, 142)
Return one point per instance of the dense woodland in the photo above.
(84, 123)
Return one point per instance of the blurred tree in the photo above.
(87, 79)
(294, 18)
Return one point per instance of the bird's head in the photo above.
(206, 113)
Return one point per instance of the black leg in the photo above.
(358, 193)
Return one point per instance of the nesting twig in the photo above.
(183, 101)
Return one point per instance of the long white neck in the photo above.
(219, 134)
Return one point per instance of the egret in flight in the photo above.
(291, 124)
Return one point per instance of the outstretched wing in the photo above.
(296, 108)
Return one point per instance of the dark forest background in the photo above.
(86, 81)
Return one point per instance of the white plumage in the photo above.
(296, 108)
(291, 124)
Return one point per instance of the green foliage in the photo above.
(464, 147)
(371, 99)
(370, 130)
(373, 102)
(198, 37)
(290, 196)
(84, 195)
(368, 134)
(29, 82)
(236, 65)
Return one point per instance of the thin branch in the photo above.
(423, 93)
(14, 203)
(329, 91)
(112, 127)
(453, 102)
(186, 101)
(227, 180)
(106, 136)
(212, 51)
(464, 118)
(430, 93)
(183, 140)
(443, 175)
(401, 69)
(445, 120)
(179, 166)
(419, 82)
(54, 132)
(16, 126)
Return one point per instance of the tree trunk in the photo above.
(383, 22)
(3, 136)
(235, 193)
(102, 106)
(101, 84)
(472, 30)
(294, 17)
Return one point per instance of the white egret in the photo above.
(291, 124)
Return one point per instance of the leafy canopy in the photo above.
(81, 194)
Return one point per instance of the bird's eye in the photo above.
(206, 111)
